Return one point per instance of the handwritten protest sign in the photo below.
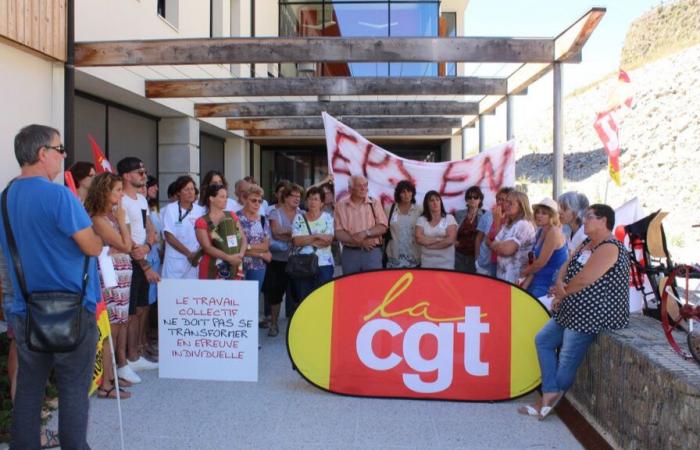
(208, 329)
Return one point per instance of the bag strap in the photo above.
(12, 246)
(391, 212)
(303, 215)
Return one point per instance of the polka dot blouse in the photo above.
(602, 305)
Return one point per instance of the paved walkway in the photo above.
(283, 411)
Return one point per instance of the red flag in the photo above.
(70, 182)
(101, 163)
(608, 132)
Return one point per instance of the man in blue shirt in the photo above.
(53, 235)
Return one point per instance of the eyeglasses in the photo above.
(255, 200)
(59, 148)
(591, 216)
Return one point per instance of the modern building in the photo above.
(121, 107)
(110, 102)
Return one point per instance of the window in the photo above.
(168, 10)
(448, 28)
(161, 8)
(360, 18)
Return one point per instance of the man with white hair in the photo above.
(360, 223)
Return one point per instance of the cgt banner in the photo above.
(418, 334)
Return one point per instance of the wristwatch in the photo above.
(367, 233)
(248, 247)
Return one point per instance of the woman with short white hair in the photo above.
(572, 207)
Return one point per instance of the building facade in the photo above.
(110, 102)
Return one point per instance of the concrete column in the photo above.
(235, 160)
(178, 150)
(482, 133)
(464, 143)
(510, 117)
(557, 134)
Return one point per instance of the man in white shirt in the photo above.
(133, 173)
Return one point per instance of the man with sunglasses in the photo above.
(133, 173)
(53, 235)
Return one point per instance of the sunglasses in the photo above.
(140, 171)
(255, 200)
(59, 148)
(473, 197)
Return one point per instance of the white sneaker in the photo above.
(142, 364)
(128, 374)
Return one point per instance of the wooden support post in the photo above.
(557, 134)
(510, 116)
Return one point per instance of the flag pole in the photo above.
(119, 393)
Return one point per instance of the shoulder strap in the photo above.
(391, 211)
(262, 221)
(371, 207)
(308, 228)
(14, 253)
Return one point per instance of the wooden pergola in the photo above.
(292, 118)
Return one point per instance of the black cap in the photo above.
(128, 164)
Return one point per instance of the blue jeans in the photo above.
(74, 376)
(558, 372)
(305, 286)
(258, 275)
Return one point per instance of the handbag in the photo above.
(53, 317)
(302, 265)
(387, 236)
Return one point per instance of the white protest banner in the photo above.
(208, 329)
(349, 153)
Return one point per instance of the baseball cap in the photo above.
(128, 164)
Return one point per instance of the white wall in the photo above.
(31, 89)
(235, 159)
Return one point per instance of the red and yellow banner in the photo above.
(418, 334)
(103, 331)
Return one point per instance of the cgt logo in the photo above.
(418, 334)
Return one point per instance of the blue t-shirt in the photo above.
(44, 216)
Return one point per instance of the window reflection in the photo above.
(364, 18)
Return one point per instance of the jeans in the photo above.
(259, 275)
(74, 375)
(305, 286)
(558, 372)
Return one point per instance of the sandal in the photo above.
(50, 439)
(112, 393)
(274, 331)
(122, 383)
(529, 410)
(548, 409)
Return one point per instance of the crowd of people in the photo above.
(561, 248)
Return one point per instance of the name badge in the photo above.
(232, 241)
(583, 257)
(395, 218)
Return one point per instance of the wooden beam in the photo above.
(312, 49)
(257, 87)
(568, 46)
(570, 42)
(303, 123)
(343, 108)
(367, 133)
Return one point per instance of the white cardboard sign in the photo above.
(208, 329)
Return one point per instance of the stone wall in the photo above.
(638, 391)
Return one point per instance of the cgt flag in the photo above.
(101, 163)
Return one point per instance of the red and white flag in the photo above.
(101, 163)
(607, 123)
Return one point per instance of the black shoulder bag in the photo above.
(302, 265)
(387, 236)
(53, 317)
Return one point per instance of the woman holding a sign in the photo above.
(221, 238)
(103, 204)
(436, 232)
(591, 295)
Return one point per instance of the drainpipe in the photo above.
(69, 83)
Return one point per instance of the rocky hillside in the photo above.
(660, 139)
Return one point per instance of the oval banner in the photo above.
(418, 333)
